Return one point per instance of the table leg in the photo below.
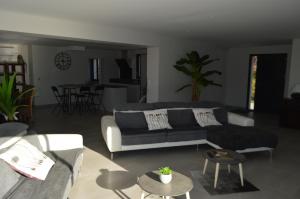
(143, 195)
(69, 100)
(216, 174)
(187, 195)
(241, 174)
(229, 168)
(205, 166)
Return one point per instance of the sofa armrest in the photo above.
(111, 133)
(240, 120)
(56, 142)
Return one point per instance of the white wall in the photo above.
(153, 57)
(237, 69)
(294, 77)
(164, 50)
(45, 74)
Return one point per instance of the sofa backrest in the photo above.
(129, 116)
(161, 105)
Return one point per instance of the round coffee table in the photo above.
(224, 157)
(179, 185)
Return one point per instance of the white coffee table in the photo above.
(180, 185)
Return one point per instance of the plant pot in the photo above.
(165, 178)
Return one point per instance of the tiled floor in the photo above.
(101, 178)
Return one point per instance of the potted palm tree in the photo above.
(193, 65)
(9, 98)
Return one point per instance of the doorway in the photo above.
(266, 82)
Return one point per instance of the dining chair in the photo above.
(60, 99)
(83, 98)
(97, 96)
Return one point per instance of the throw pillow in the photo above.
(181, 118)
(28, 160)
(131, 120)
(221, 115)
(205, 117)
(157, 119)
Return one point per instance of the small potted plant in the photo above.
(165, 175)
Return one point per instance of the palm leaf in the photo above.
(22, 94)
(210, 82)
(207, 73)
(10, 87)
(209, 62)
(182, 61)
(4, 107)
(183, 69)
(203, 58)
(183, 87)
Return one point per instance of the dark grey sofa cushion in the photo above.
(221, 115)
(134, 107)
(187, 133)
(8, 178)
(143, 136)
(238, 138)
(131, 120)
(202, 104)
(181, 118)
(55, 184)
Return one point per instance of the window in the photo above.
(95, 69)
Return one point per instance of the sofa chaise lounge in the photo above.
(127, 129)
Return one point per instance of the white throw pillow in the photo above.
(157, 119)
(205, 117)
(28, 160)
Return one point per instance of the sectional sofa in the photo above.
(127, 129)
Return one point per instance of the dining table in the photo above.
(68, 89)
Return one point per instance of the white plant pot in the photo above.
(165, 178)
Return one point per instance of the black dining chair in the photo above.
(97, 96)
(60, 99)
(83, 98)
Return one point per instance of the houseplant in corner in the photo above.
(193, 65)
(9, 98)
(165, 175)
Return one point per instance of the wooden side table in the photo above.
(228, 158)
(180, 185)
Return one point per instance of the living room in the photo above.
(229, 32)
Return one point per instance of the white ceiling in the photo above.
(229, 22)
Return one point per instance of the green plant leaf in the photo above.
(9, 89)
(209, 62)
(183, 69)
(203, 58)
(211, 72)
(23, 93)
(182, 61)
(183, 87)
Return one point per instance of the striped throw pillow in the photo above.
(157, 119)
